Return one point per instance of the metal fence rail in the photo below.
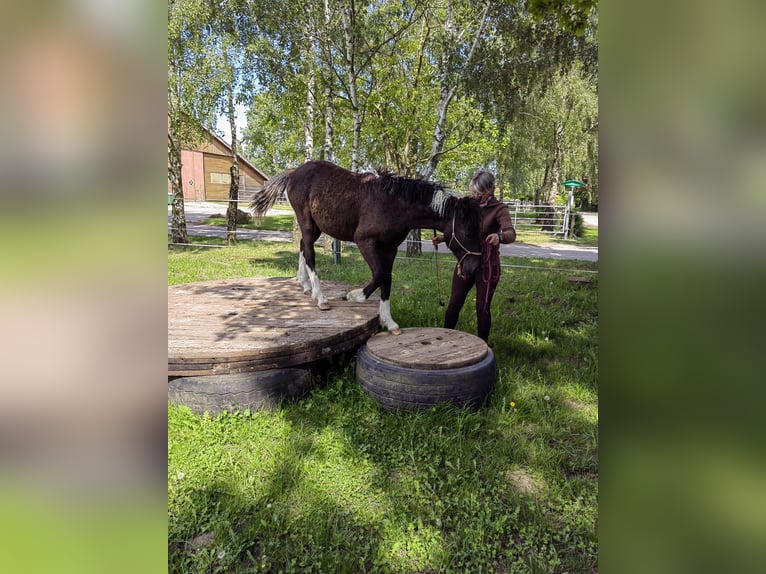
(546, 219)
(526, 217)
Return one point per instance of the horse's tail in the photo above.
(269, 193)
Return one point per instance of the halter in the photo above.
(460, 262)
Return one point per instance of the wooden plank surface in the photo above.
(258, 323)
(428, 348)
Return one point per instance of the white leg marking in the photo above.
(316, 291)
(356, 295)
(303, 276)
(384, 310)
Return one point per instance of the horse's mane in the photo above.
(418, 191)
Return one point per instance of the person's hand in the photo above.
(493, 239)
(436, 239)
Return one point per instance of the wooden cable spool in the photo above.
(423, 367)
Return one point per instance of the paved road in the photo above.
(195, 212)
(590, 218)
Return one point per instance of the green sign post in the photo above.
(570, 186)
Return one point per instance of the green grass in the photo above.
(333, 483)
(270, 222)
(589, 238)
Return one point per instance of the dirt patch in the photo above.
(204, 539)
(523, 481)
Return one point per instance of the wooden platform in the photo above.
(260, 323)
(428, 348)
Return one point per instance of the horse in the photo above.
(375, 210)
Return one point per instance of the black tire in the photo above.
(240, 391)
(396, 387)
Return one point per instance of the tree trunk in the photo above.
(327, 148)
(553, 185)
(178, 232)
(538, 199)
(448, 86)
(329, 112)
(447, 92)
(308, 127)
(349, 16)
(329, 93)
(178, 219)
(414, 247)
(231, 211)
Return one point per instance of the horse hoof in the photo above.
(324, 306)
(396, 331)
(356, 296)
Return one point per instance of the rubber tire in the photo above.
(396, 387)
(257, 390)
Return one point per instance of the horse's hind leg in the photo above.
(310, 233)
(303, 274)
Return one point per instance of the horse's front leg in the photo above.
(381, 263)
(385, 294)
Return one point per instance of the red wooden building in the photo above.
(205, 172)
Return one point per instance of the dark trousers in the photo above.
(486, 283)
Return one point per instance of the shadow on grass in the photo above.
(334, 483)
(447, 489)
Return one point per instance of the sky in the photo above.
(241, 121)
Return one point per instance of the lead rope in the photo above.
(459, 263)
(438, 273)
(491, 269)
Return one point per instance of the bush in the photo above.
(242, 217)
(577, 225)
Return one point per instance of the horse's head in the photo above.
(463, 236)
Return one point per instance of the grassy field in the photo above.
(270, 222)
(332, 483)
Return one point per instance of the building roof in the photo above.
(239, 156)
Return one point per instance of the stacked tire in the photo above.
(425, 367)
(240, 391)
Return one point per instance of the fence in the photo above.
(556, 220)
(523, 215)
(246, 194)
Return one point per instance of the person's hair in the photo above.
(483, 182)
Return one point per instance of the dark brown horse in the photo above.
(375, 211)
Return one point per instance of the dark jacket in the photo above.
(496, 217)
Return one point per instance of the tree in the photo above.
(571, 15)
(365, 35)
(422, 88)
(190, 104)
(553, 133)
(460, 30)
(231, 27)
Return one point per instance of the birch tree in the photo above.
(231, 29)
(460, 30)
(190, 103)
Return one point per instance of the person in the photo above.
(496, 228)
